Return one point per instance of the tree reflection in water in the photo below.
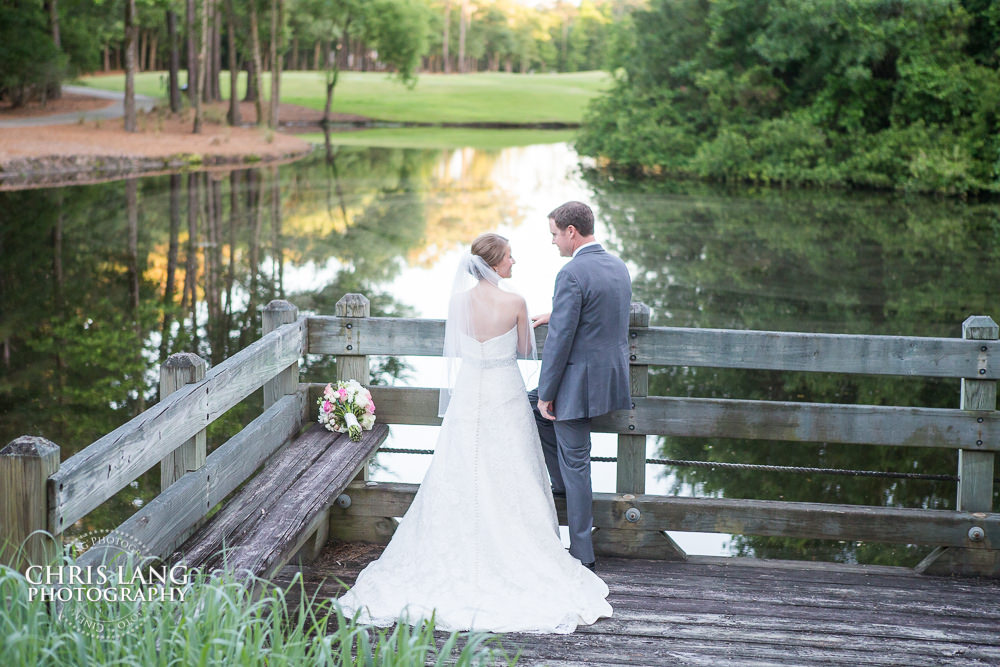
(817, 262)
(186, 264)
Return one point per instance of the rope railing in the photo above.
(801, 470)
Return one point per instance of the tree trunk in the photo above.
(216, 52)
(143, 44)
(196, 66)
(131, 32)
(234, 72)
(192, 51)
(258, 72)
(462, 27)
(175, 62)
(107, 59)
(202, 67)
(331, 83)
(316, 55)
(54, 91)
(293, 56)
(277, 20)
(252, 93)
(444, 37)
(154, 44)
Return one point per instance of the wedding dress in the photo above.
(479, 547)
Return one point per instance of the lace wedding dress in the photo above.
(479, 547)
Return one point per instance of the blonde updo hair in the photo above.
(491, 247)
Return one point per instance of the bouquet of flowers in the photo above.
(347, 408)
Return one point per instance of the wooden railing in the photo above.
(39, 494)
(969, 536)
(170, 433)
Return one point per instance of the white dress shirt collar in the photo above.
(585, 245)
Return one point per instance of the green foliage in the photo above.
(857, 93)
(398, 29)
(31, 61)
(772, 260)
(221, 622)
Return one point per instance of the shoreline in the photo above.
(90, 151)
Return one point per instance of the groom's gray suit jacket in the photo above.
(585, 358)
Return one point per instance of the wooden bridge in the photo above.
(301, 511)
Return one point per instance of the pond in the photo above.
(99, 283)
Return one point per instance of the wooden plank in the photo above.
(833, 599)
(689, 603)
(297, 512)
(745, 517)
(720, 649)
(719, 348)
(242, 512)
(707, 627)
(752, 420)
(93, 475)
(163, 523)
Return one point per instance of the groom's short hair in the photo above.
(574, 213)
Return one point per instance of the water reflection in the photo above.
(807, 262)
(100, 283)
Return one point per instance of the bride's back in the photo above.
(492, 311)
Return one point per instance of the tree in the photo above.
(131, 32)
(866, 93)
(396, 28)
(234, 70)
(277, 51)
(257, 73)
(31, 61)
(173, 80)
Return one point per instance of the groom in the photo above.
(584, 363)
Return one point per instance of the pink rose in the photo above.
(342, 394)
(370, 409)
(327, 406)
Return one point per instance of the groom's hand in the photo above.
(547, 410)
(538, 320)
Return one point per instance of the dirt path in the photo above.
(35, 155)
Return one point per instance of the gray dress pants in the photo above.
(566, 446)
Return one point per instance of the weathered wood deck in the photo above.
(738, 611)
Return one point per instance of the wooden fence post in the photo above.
(975, 467)
(631, 472)
(25, 466)
(353, 366)
(178, 370)
(376, 530)
(277, 313)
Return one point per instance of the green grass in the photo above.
(436, 98)
(221, 623)
(434, 137)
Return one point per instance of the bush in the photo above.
(31, 62)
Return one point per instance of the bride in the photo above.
(479, 547)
